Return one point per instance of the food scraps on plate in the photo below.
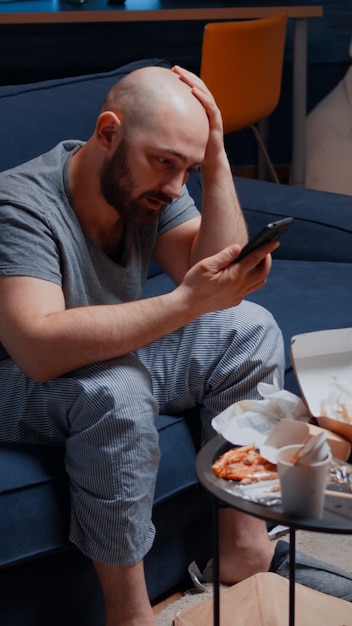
(244, 464)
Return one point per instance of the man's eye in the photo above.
(163, 161)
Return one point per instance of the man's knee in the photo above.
(121, 386)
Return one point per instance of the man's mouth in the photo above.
(156, 202)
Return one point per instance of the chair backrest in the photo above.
(242, 66)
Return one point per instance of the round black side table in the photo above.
(337, 517)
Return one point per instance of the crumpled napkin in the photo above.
(251, 421)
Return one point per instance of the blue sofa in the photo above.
(43, 578)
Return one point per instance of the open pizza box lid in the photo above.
(263, 599)
(322, 362)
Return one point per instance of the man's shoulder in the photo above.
(40, 173)
(35, 190)
(57, 154)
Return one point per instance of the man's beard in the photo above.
(117, 187)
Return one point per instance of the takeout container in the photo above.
(290, 432)
(264, 599)
(322, 362)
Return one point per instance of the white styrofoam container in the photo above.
(322, 362)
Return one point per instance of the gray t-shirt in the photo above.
(40, 235)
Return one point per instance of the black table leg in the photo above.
(216, 580)
(292, 577)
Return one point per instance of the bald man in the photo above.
(88, 363)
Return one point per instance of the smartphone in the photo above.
(270, 232)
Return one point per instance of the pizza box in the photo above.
(264, 599)
(322, 362)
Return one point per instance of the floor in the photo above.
(334, 549)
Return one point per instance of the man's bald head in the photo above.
(144, 97)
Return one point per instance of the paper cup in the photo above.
(302, 486)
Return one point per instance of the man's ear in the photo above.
(108, 128)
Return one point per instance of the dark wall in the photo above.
(37, 52)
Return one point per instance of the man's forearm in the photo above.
(74, 338)
(222, 218)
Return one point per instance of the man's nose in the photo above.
(173, 186)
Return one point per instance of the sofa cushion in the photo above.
(305, 296)
(53, 110)
(323, 221)
(34, 502)
(176, 469)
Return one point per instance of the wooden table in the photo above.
(52, 11)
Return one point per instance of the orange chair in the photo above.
(242, 65)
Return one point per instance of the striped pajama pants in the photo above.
(105, 416)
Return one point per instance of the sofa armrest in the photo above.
(323, 221)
